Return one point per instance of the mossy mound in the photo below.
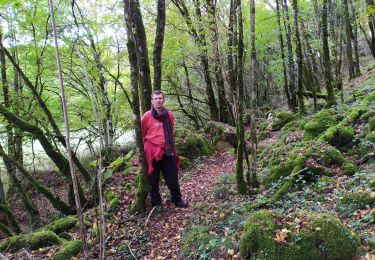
(355, 201)
(319, 158)
(338, 135)
(64, 224)
(69, 250)
(113, 199)
(268, 235)
(33, 241)
(371, 124)
(318, 124)
(193, 145)
(217, 131)
(281, 119)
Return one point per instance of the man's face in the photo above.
(157, 101)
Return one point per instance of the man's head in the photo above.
(157, 99)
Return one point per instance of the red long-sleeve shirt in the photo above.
(154, 139)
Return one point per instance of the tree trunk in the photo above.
(326, 56)
(219, 68)
(139, 202)
(55, 201)
(355, 41)
(158, 47)
(301, 104)
(281, 42)
(10, 217)
(241, 184)
(292, 76)
(141, 49)
(348, 33)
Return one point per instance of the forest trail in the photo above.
(164, 229)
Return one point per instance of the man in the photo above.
(157, 132)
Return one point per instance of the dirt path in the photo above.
(164, 229)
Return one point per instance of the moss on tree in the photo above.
(64, 224)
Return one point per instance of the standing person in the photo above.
(157, 132)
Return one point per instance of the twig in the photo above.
(135, 232)
(27, 253)
(149, 215)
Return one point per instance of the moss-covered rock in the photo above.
(64, 224)
(354, 201)
(113, 199)
(69, 250)
(193, 145)
(33, 241)
(281, 119)
(268, 235)
(318, 124)
(349, 168)
(371, 124)
(338, 135)
(217, 131)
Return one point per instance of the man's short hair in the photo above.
(157, 92)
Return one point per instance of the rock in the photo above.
(269, 235)
(69, 250)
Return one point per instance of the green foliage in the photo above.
(268, 235)
(196, 241)
(318, 124)
(281, 119)
(217, 131)
(70, 249)
(351, 202)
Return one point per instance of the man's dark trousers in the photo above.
(169, 169)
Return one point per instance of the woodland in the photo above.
(274, 105)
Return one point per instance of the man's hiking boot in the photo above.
(181, 204)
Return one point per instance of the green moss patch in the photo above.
(339, 135)
(371, 124)
(281, 119)
(318, 124)
(33, 241)
(113, 199)
(269, 235)
(217, 131)
(69, 250)
(193, 145)
(64, 224)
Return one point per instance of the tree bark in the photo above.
(281, 43)
(355, 41)
(139, 202)
(301, 104)
(241, 184)
(291, 65)
(158, 46)
(348, 33)
(141, 49)
(326, 56)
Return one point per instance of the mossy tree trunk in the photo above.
(291, 65)
(139, 203)
(10, 217)
(348, 33)
(241, 184)
(55, 201)
(281, 43)
(301, 104)
(355, 40)
(158, 46)
(326, 56)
